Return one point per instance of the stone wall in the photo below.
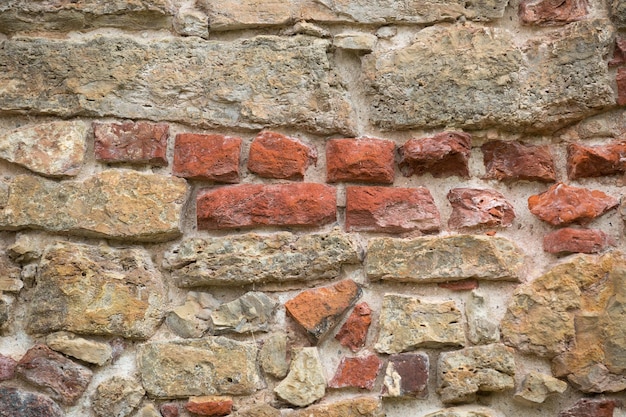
(312, 208)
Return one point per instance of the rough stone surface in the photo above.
(353, 333)
(462, 285)
(610, 124)
(280, 257)
(464, 373)
(86, 350)
(319, 310)
(444, 154)
(620, 80)
(148, 410)
(472, 207)
(355, 41)
(570, 240)
(481, 328)
(595, 161)
(562, 204)
(587, 407)
(131, 142)
(257, 410)
(357, 372)
(210, 405)
(407, 375)
(548, 13)
(252, 312)
(406, 323)
(440, 259)
(305, 382)
(254, 205)
(391, 210)
(7, 367)
(112, 204)
(10, 272)
(619, 53)
(353, 407)
(512, 160)
(15, 402)
(273, 355)
(479, 78)
(53, 149)
(363, 160)
(117, 396)
(169, 410)
(207, 157)
(96, 290)
(250, 83)
(184, 321)
(196, 367)
(59, 377)
(273, 155)
(465, 411)
(618, 13)
(536, 387)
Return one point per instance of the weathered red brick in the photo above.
(391, 210)
(363, 160)
(595, 161)
(569, 240)
(253, 205)
(17, 403)
(619, 53)
(473, 207)
(442, 155)
(353, 333)
(359, 372)
(588, 407)
(273, 155)
(462, 285)
(169, 410)
(207, 157)
(550, 12)
(210, 405)
(7, 367)
(562, 204)
(407, 375)
(131, 142)
(518, 161)
(621, 86)
(319, 309)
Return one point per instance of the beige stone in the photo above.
(465, 411)
(117, 396)
(536, 387)
(184, 321)
(482, 328)
(273, 355)
(355, 41)
(257, 410)
(148, 410)
(352, 407)
(90, 351)
(252, 312)
(305, 383)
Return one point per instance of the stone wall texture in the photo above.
(312, 208)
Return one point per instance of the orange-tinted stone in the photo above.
(595, 161)
(442, 155)
(353, 333)
(518, 161)
(588, 407)
(359, 372)
(207, 157)
(130, 142)
(550, 12)
(462, 285)
(273, 155)
(364, 160)
(569, 240)
(210, 405)
(472, 207)
(621, 86)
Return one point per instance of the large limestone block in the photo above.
(250, 83)
(113, 204)
(96, 290)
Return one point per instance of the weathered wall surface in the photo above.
(320, 208)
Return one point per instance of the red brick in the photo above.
(391, 210)
(562, 204)
(273, 155)
(130, 142)
(619, 53)
(549, 12)
(7, 367)
(518, 161)
(362, 160)
(254, 205)
(588, 407)
(462, 285)
(410, 371)
(318, 310)
(353, 333)
(169, 410)
(473, 207)
(569, 240)
(595, 161)
(442, 155)
(621, 86)
(207, 157)
(359, 372)
(210, 405)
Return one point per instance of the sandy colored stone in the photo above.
(440, 259)
(511, 160)
(609, 124)
(536, 387)
(96, 290)
(10, 272)
(252, 312)
(273, 355)
(279, 257)
(90, 351)
(17, 402)
(117, 396)
(148, 410)
(473, 207)
(184, 321)
(355, 41)
(465, 411)
(257, 410)
(406, 323)
(352, 407)
(353, 333)
(481, 327)
(305, 383)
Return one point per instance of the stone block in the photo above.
(518, 161)
(442, 155)
(207, 157)
(273, 155)
(360, 160)
(305, 383)
(118, 396)
(131, 142)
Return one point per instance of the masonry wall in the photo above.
(312, 208)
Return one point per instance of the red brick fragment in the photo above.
(588, 407)
(210, 405)
(169, 410)
(391, 210)
(253, 205)
(550, 12)
(595, 161)
(7, 367)
(17, 403)
(407, 375)
(621, 86)
(619, 53)
(318, 310)
(518, 161)
(273, 155)
(207, 157)
(442, 155)
(569, 240)
(131, 142)
(359, 372)
(353, 333)
(472, 207)
(365, 160)
(462, 285)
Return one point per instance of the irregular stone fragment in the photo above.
(273, 155)
(407, 375)
(441, 259)
(562, 204)
(570, 240)
(406, 324)
(280, 257)
(363, 160)
(117, 204)
(358, 372)
(16, 402)
(196, 367)
(191, 22)
(464, 373)
(620, 80)
(7, 368)
(305, 382)
(9, 274)
(318, 310)
(307, 28)
(353, 407)
(465, 411)
(353, 333)
(210, 405)
(587, 407)
(5, 314)
(442, 155)
(251, 312)
(610, 124)
(169, 410)
(482, 329)
(548, 13)
(536, 387)
(391, 210)
(250, 83)
(52, 372)
(472, 207)
(257, 410)
(207, 157)
(273, 355)
(117, 396)
(595, 161)
(356, 41)
(184, 321)
(96, 290)
(53, 149)
(89, 351)
(507, 160)
(131, 142)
